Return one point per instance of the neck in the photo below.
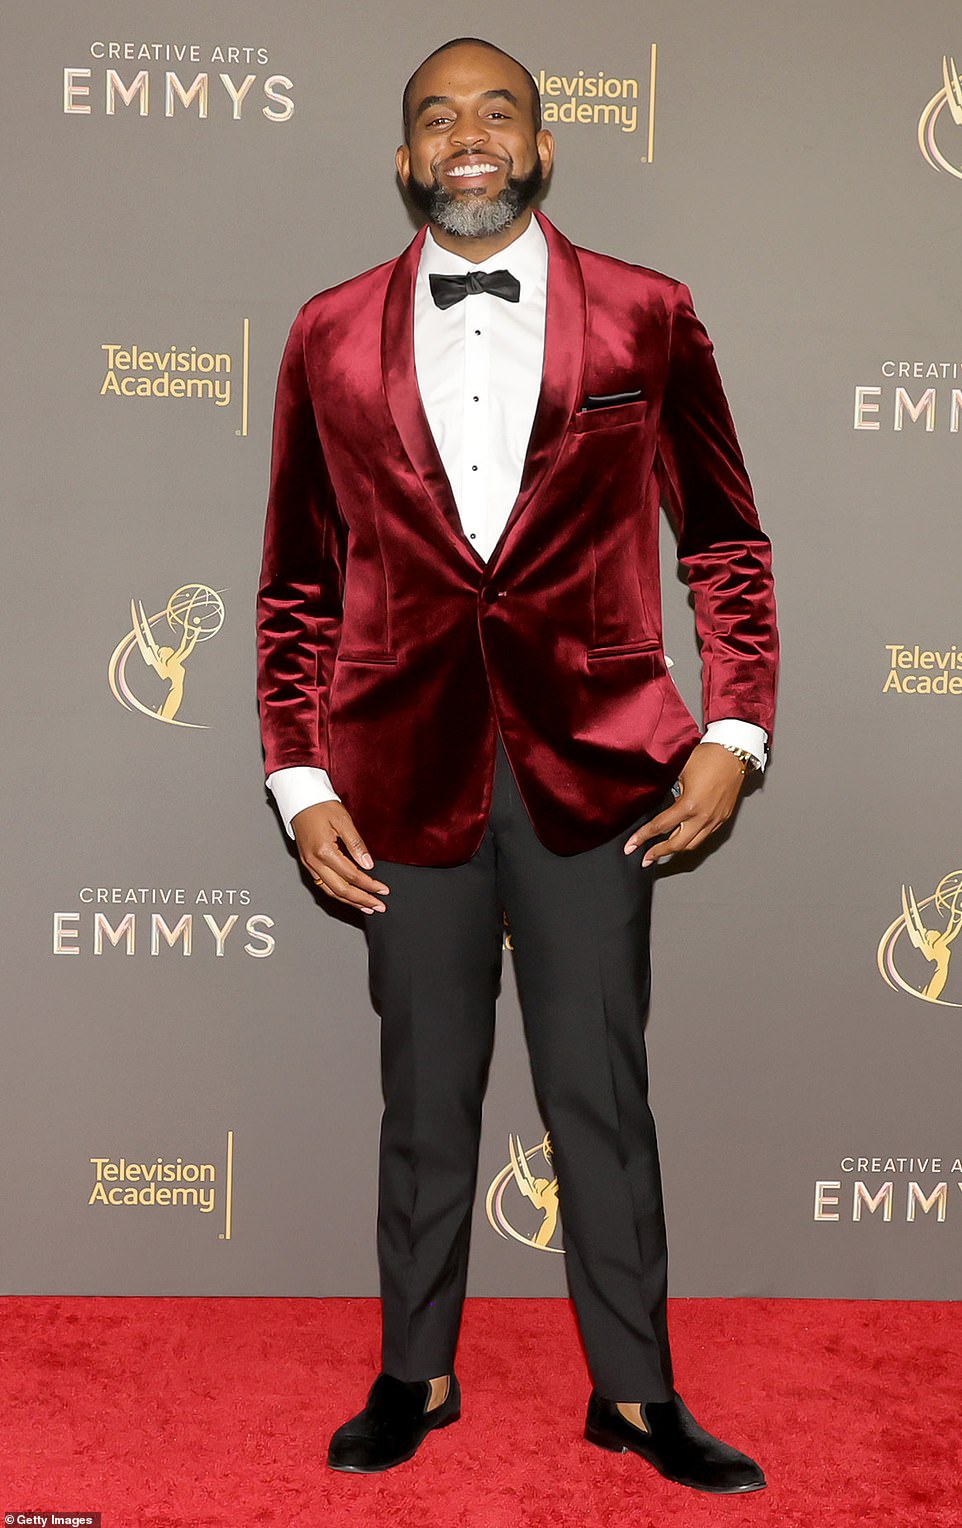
(477, 250)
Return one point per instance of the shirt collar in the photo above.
(525, 257)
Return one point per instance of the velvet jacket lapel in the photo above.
(560, 382)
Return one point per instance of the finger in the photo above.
(328, 861)
(330, 854)
(688, 837)
(352, 840)
(666, 822)
(672, 845)
(336, 886)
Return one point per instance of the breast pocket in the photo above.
(611, 417)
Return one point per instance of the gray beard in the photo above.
(475, 217)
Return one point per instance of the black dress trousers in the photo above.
(580, 936)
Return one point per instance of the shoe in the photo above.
(675, 1444)
(392, 1426)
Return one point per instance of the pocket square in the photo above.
(610, 400)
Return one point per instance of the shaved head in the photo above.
(409, 104)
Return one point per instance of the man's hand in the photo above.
(317, 830)
(711, 782)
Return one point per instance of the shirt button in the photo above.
(474, 469)
(477, 331)
(474, 535)
(475, 398)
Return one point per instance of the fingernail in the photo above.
(630, 848)
(367, 862)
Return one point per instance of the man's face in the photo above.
(474, 162)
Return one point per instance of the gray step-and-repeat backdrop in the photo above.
(190, 1094)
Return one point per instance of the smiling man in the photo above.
(466, 714)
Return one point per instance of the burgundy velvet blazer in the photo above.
(389, 651)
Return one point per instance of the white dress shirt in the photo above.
(478, 365)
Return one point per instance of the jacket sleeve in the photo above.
(299, 594)
(721, 546)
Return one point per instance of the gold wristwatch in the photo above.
(748, 759)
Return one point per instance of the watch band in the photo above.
(747, 757)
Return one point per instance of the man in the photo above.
(466, 712)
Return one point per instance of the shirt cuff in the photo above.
(297, 787)
(740, 735)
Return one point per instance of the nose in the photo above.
(468, 137)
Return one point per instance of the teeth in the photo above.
(473, 169)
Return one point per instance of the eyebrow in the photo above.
(486, 95)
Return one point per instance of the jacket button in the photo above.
(490, 594)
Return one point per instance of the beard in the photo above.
(476, 217)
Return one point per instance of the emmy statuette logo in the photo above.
(944, 108)
(193, 614)
(520, 1203)
(930, 928)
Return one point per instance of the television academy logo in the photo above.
(178, 1183)
(521, 1203)
(928, 926)
(184, 374)
(917, 670)
(942, 114)
(193, 614)
(598, 98)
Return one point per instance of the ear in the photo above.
(402, 160)
(544, 143)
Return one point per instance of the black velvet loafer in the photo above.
(675, 1444)
(392, 1426)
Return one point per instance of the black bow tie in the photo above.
(447, 290)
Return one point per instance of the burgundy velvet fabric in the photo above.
(389, 651)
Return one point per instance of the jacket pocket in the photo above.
(608, 417)
(623, 649)
(359, 656)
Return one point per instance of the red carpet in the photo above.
(215, 1413)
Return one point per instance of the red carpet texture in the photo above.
(215, 1413)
